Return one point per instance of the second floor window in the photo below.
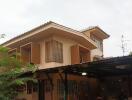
(53, 51)
(98, 42)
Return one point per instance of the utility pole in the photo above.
(123, 45)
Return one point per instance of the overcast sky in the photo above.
(113, 16)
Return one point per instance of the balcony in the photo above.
(79, 54)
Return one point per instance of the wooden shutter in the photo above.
(58, 51)
(48, 51)
(53, 51)
(88, 57)
(35, 53)
(25, 51)
(75, 57)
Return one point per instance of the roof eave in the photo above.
(44, 27)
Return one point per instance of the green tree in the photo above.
(130, 53)
(11, 71)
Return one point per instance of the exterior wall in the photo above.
(96, 52)
(67, 43)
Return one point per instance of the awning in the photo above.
(102, 68)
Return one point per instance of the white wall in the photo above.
(96, 52)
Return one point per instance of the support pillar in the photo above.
(65, 87)
(129, 86)
(41, 90)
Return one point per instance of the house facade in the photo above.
(53, 45)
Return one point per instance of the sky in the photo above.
(113, 16)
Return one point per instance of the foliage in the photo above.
(130, 53)
(11, 70)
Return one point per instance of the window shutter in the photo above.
(25, 51)
(58, 51)
(48, 51)
(35, 53)
(60, 54)
(75, 57)
(53, 51)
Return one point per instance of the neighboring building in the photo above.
(53, 45)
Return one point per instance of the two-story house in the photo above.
(53, 45)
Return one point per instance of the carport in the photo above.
(102, 69)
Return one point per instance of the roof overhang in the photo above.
(47, 30)
(98, 32)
